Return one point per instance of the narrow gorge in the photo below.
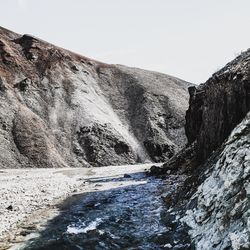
(103, 156)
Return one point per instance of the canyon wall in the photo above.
(217, 106)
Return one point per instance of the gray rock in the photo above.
(2, 85)
(214, 200)
(10, 208)
(217, 106)
(127, 176)
(61, 109)
(220, 218)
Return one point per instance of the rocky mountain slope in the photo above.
(61, 109)
(217, 106)
(214, 200)
(220, 218)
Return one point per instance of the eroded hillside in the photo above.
(61, 109)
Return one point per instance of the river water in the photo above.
(130, 217)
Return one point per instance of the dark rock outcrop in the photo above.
(182, 162)
(217, 106)
(2, 85)
(99, 144)
(58, 108)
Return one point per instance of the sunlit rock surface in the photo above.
(221, 217)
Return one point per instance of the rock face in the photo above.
(217, 106)
(214, 201)
(219, 208)
(61, 109)
(220, 219)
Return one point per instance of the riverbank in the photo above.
(29, 196)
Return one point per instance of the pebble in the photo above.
(127, 176)
(10, 208)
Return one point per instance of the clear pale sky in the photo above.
(189, 39)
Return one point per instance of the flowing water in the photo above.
(131, 217)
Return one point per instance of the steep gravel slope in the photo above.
(60, 109)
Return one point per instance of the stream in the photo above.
(129, 217)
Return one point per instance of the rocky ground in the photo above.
(28, 197)
(60, 109)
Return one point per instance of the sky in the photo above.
(189, 39)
